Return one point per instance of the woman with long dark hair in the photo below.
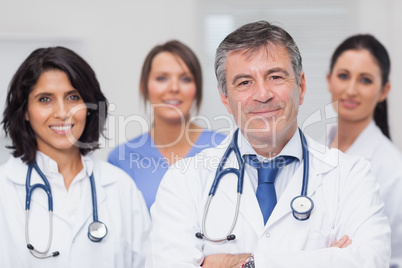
(358, 80)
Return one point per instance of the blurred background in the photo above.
(115, 36)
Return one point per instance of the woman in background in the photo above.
(359, 83)
(54, 115)
(171, 81)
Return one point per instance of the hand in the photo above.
(225, 260)
(344, 242)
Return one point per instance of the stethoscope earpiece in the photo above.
(231, 237)
(228, 238)
(199, 235)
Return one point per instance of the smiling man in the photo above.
(337, 221)
(263, 94)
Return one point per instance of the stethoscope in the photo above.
(301, 205)
(96, 231)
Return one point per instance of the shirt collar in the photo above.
(292, 148)
(49, 166)
(16, 169)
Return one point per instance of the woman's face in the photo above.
(356, 85)
(56, 112)
(171, 88)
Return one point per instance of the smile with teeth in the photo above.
(172, 102)
(62, 128)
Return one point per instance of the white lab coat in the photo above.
(386, 164)
(120, 206)
(346, 202)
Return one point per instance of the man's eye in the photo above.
(244, 83)
(276, 79)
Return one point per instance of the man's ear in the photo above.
(225, 101)
(302, 87)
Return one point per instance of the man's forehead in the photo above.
(272, 56)
(266, 52)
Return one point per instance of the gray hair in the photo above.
(251, 37)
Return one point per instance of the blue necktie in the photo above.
(267, 172)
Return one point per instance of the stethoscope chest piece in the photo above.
(302, 206)
(97, 231)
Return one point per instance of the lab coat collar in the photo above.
(16, 169)
(325, 158)
(293, 190)
(292, 148)
(371, 133)
(16, 172)
(322, 160)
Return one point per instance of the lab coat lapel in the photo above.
(39, 198)
(249, 207)
(370, 135)
(86, 200)
(16, 173)
(293, 189)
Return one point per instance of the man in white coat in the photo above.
(262, 84)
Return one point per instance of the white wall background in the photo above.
(115, 36)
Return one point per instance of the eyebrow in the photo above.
(42, 94)
(47, 94)
(367, 74)
(72, 92)
(343, 70)
(240, 76)
(360, 74)
(277, 70)
(167, 72)
(270, 71)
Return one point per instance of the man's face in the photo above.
(263, 94)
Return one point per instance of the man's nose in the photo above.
(263, 91)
